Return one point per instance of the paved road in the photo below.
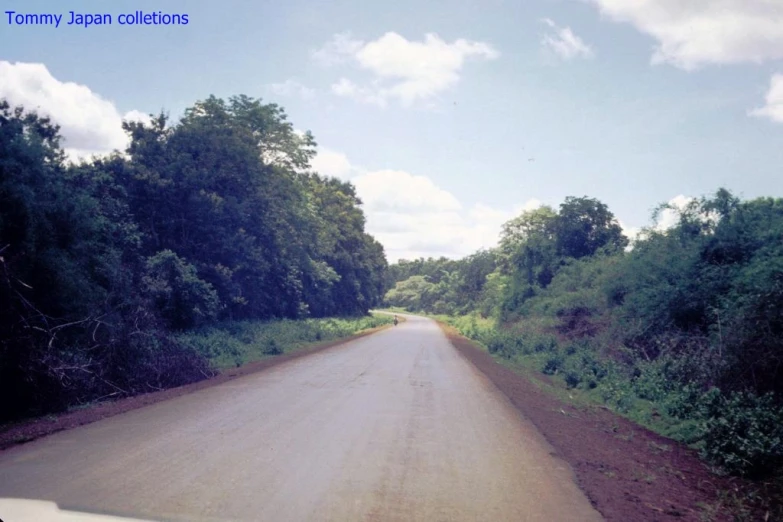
(391, 427)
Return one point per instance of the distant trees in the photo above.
(227, 189)
(347, 268)
(528, 249)
(584, 226)
(533, 247)
(216, 217)
(690, 318)
(441, 285)
(713, 287)
(539, 242)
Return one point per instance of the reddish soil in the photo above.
(628, 473)
(28, 430)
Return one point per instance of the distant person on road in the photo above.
(395, 320)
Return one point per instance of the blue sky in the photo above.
(505, 105)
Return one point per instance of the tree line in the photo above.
(496, 282)
(216, 217)
(684, 322)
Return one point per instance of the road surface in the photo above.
(395, 426)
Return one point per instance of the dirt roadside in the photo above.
(28, 430)
(627, 472)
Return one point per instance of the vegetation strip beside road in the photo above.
(202, 221)
(25, 431)
(627, 471)
(679, 330)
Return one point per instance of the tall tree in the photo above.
(585, 225)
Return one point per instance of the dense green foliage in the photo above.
(235, 343)
(442, 285)
(683, 332)
(212, 219)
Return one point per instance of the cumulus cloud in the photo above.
(88, 123)
(138, 116)
(564, 43)
(414, 217)
(371, 95)
(671, 216)
(429, 232)
(399, 191)
(401, 69)
(291, 88)
(666, 219)
(773, 109)
(340, 49)
(631, 232)
(693, 33)
(331, 163)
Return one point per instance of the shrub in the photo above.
(553, 363)
(500, 343)
(544, 344)
(235, 342)
(615, 390)
(182, 298)
(272, 348)
(651, 382)
(572, 376)
(683, 402)
(582, 367)
(743, 433)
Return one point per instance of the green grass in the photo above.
(649, 393)
(577, 378)
(233, 344)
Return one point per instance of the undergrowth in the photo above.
(739, 434)
(234, 344)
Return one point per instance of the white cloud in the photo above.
(774, 101)
(347, 88)
(290, 88)
(413, 217)
(399, 191)
(632, 233)
(139, 116)
(88, 123)
(429, 232)
(401, 69)
(697, 32)
(669, 217)
(564, 43)
(338, 50)
(330, 163)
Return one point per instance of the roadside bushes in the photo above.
(142, 365)
(502, 343)
(742, 433)
(103, 263)
(239, 342)
(739, 432)
(582, 368)
(693, 306)
(181, 297)
(127, 356)
(553, 363)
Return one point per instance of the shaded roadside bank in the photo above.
(28, 430)
(627, 471)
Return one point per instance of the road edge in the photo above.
(28, 430)
(615, 495)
